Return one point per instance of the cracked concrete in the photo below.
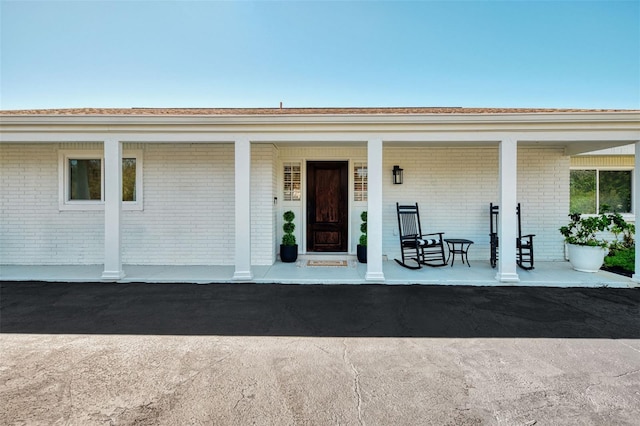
(294, 355)
(356, 382)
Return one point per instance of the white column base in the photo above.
(507, 277)
(112, 275)
(242, 276)
(635, 278)
(374, 276)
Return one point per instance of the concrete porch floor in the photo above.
(546, 274)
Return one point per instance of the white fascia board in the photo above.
(550, 127)
(608, 138)
(337, 119)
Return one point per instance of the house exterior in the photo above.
(209, 186)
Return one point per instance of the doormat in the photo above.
(326, 263)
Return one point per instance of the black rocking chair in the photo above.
(524, 243)
(423, 249)
(493, 235)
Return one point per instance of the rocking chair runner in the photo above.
(423, 249)
(524, 243)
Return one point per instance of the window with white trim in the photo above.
(591, 189)
(291, 181)
(360, 173)
(82, 180)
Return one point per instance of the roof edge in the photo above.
(239, 112)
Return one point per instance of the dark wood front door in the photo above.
(327, 205)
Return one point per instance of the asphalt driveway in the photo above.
(304, 354)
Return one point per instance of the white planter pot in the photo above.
(586, 258)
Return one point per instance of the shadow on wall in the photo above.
(319, 310)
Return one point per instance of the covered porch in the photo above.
(239, 216)
(546, 274)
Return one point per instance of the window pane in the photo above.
(583, 191)
(615, 190)
(85, 180)
(128, 179)
(360, 182)
(291, 183)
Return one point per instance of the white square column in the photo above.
(243, 210)
(636, 203)
(508, 164)
(374, 211)
(112, 210)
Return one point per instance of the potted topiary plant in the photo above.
(362, 246)
(586, 249)
(288, 248)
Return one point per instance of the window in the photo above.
(129, 179)
(85, 179)
(593, 188)
(291, 182)
(82, 180)
(360, 182)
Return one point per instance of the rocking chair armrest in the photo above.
(410, 238)
(525, 241)
(433, 233)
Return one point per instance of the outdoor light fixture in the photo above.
(397, 175)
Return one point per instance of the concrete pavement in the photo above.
(284, 354)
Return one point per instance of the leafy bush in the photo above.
(582, 230)
(624, 259)
(623, 231)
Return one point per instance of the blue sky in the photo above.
(560, 54)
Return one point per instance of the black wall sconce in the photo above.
(397, 175)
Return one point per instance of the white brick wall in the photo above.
(263, 159)
(188, 215)
(32, 229)
(543, 191)
(454, 187)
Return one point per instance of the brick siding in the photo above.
(188, 215)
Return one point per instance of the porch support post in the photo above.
(508, 203)
(112, 210)
(636, 203)
(374, 211)
(243, 210)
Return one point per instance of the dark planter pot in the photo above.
(362, 254)
(288, 253)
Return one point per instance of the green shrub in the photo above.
(288, 216)
(586, 230)
(288, 228)
(623, 258)
(363, 229)
(288, 240)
